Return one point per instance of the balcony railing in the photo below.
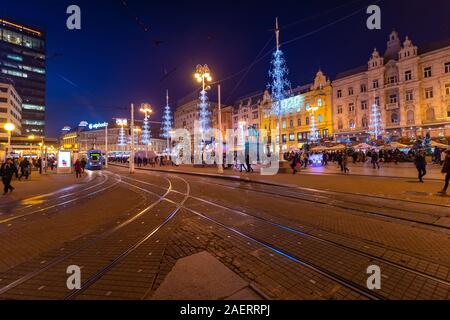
(392, 106)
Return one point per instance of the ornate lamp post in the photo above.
(146, 108)
(9, 127)
(203, 75)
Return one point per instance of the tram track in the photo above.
(65, 258)
(62, 201)
(371, 258)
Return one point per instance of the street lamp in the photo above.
(203, 75)
(9, 127)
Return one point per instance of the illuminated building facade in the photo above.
(409, 85)
(22, 60)
(305, 102)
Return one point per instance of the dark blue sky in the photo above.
(112, 61)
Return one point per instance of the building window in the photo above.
(299, 122)
(299, 136)
(319, 102)
(340, 125)
(430, 114)
(325, 133)
(284, 125)
(339, 109)
(393, 98)
(319, 118)
(307, 121)
(447, 67)
(350, 91)
(409, 95)
(363, 88)
(410, 117)
(364, 122)
(255, 115)
(283, 137)
(392, 80)
(394, 118)
(339, 93)
(447, 89)
(351, 124)
(291, 137)
(427, 72)
(364, 105)
(429, 93)
(408, 75)
(376, 85)
(291, 123)
(351, 107)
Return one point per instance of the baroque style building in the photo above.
(310, 106)
(409, 85)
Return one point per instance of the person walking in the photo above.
(7, 171)
(446, 170)
(78, 168)
(345, 162)
(24, 169)
(83, 163)
(421, 165)
(375, 160)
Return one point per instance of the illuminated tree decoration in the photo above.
(375, 124)
(279, 84)
(146, 133)
(166, 120)
(205, 114)
(314, 136)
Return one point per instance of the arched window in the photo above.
(351, 124)
(319, 118)
(319, 102)
(307, 121)
(395, 118)
(410, 117)
(364, 122)
(430, 114)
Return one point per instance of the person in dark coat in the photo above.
(24, 169)
(7, 171)
(421, 165)
(446, 170)
(78, 168)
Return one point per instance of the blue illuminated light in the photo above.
(279, 84)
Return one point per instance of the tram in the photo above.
(94, 160)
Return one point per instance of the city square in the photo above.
(284, 180)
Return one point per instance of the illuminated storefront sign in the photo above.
(97, 125)
(121, 122)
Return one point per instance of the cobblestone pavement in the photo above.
(287, 243)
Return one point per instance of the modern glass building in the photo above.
(22, 60)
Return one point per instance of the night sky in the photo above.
(133, 52)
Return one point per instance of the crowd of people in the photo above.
(20, 168)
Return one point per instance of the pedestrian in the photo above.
(24, 169)
(446, 170)
(78, 168)
(83, 163)
(7, 171)
(374, 160)
(421, 165)
(345, 162)
(39, 164)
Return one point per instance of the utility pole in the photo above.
(106, 146)
(132, 140)
(220, 149)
